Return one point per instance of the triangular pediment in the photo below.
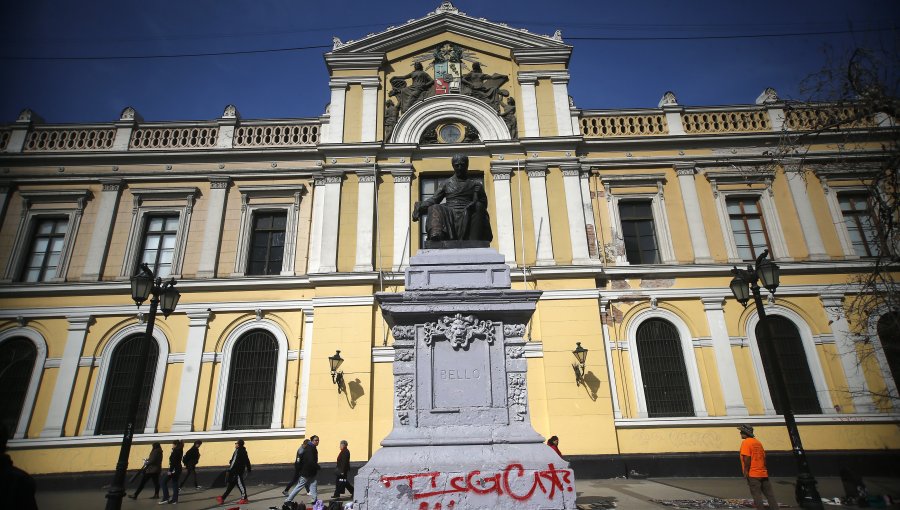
(524, 46)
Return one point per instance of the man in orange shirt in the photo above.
(753, 465)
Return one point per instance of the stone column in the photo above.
(846, 348)
(365, 220)
(402, 236)
(103, 222)
(728, 379)
(336, 122)
(696, 229)
(575, 211)
(55, 424)
(561, 104)
(303, 389)
(805, 214)
(529, 106)
(503, 211)
(318, 216)
(190, 374)
(369, 109)
(212, 233)
(593, 241)
(540, 215)
(331, 223)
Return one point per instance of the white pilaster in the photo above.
(128, 120)
(529, 106)
(331, 223)
(212, 233)
(55, 424)
(696, 229)
(850, 362)
(365, 220)
(805, 214)
(728, 379)
(369, 109)
(303, 389)
(336, 122)
(575, 212)
(673, 119)
(504, 214)
(402, 185)
(190, 373)
(227, 124)
(561, 104)
(106, 213)
(590, 226)
(315, 234)
(607, 345)
(540, 215)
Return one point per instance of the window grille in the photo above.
(638, 232)
(267, 243)
(859, 223)
(123, 366)
(789, 348)
(889, 334)
(159, 244)
(17, 357)
(46, 249)
(748, 227)
(427, 187)
(251, 382)
(666, 388)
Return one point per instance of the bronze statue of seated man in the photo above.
(458, 209)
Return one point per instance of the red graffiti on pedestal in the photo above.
(424, 485)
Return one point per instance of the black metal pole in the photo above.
(117, 489)
(806, 493)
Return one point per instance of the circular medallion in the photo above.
(450, 133)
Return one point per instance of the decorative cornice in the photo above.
(219, 182)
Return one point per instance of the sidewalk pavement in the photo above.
(619, 493)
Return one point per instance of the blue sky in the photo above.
(605, 74)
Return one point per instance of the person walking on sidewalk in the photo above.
(298, 461)
(308, 472)
(174, 473)
(191, 459)
(343, 468)
(240, 462)
(753, 465)
(553, 443)
(154, 466)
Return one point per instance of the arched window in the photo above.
(120, 381)
(17, 357)
(666, 387)
(889, 334)
(789, 348)
(251, 382)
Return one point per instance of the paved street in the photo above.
(625, 494)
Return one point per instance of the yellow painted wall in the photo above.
(559, 222)
(346, 253)
(546, 108)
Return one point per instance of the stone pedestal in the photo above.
(462, 436)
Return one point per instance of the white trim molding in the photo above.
(687, 350)
(290, 196)
(159, 377)
(37, 371)
(809, 348)
(616, 190)
(280, 374)
(421, 115)
(139, 211)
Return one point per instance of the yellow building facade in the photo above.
(280, 232)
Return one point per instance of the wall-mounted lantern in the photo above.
(580, 354)
(335, 363)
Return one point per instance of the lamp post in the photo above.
(165, 296)
(766, 272)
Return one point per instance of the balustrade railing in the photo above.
(609, 126)
(47, 139)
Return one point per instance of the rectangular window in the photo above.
(46, 249)
(267, 243)
(860, 226)
(747, 226)
(639, 232)
(158, 250)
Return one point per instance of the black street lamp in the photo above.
(766, 272)
(334, 362)
(580, 354)
(164, 296)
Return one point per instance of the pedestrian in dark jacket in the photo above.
(174, 472)
(16, 485)
(308, 471)
(154, 466)
(343, 469)
(297, 463)
(240, 462)
(190, 461)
